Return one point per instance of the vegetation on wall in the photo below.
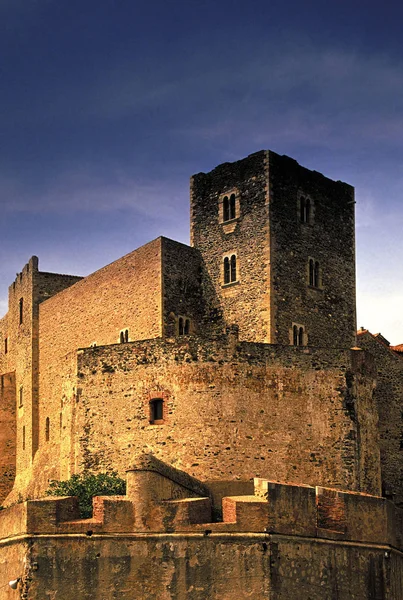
(85, 486)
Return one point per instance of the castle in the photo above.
(225, 378)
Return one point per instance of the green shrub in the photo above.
(85, 486)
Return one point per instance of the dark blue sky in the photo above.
(107, 108)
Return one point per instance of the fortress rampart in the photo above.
(281, 538)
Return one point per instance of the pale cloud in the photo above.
(82, 190)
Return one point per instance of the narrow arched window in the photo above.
(227, 273)
(122, 337)
(302, 209)
(126, 335)
(316, 282)
(301, 336)
(305, 210)
(232, 207)
(187, 327)
(47, 429)
(311, 272)
(233, 268)
(295, 335)
(180, 326)
(226, 209)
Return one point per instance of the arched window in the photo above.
(47, 429)
(305, 210)
(314, 273)
(230, 274)
(126, 335)
(226, 209)
(156, 411)
(122, 337)
(233, 268)
(295, 335)
(227, 274)
(180, 326)
(187, 327)
(298, 335)
(232, 207)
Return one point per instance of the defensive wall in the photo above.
(230, 409)
(160, 542)
(389, 400)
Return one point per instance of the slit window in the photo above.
(21, 397)
(156, 411)
(5, 345)
(230, 274)
(21, 310)
(305, 209)
(47, 429)
(23, 437)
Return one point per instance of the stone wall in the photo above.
(182, 288)
(20, 328)
(229, 410)
(7, 434)
(272, 290)
(389, 399)
(327, 309)
(283, 542)
(246, 301)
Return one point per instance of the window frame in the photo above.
(153, 403)
(298, 335)
(229, 206)
(230, 269)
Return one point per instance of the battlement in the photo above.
(160, 505)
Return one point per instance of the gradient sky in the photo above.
(107, 107)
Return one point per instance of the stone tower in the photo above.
(278, 246)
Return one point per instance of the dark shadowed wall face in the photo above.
(312, 255)
(389, 400)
